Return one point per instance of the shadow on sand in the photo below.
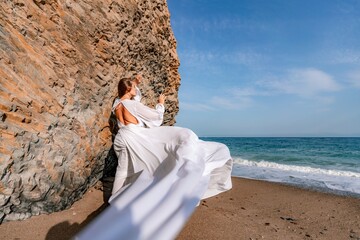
(65, 230)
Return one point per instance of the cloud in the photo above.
(194, 57)
(199, 60)
(231, 103)
(247, 58)
(308, 82)
(249, 92)
(325, 100)
(202, 58)
(196, 106)
(344, 56)
(218, 103)
(354, 79)
(217, 24)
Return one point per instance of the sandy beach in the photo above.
(251, 210)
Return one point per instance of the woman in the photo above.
(128, 121)
(141, 148)
(162, 173)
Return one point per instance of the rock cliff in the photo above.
(60, 62)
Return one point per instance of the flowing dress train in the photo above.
(162, 174)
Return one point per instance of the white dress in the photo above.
(162, 174)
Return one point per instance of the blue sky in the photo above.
(268, 68)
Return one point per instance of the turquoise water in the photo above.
(327, 164)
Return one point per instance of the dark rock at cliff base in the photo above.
(60, 62)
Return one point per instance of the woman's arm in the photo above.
(151, 117)
(137, 80)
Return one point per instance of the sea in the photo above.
(328, 164)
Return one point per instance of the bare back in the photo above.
(124, 116)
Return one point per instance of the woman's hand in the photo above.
(138, 79)
(162, 98)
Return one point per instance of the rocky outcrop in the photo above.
(60, 62)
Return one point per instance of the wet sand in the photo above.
(251, 210)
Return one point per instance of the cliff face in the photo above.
(60, 62)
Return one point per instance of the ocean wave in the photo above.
(294, 168)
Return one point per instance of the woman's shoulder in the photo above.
(129, 104)
(128, 101)
(117, 101)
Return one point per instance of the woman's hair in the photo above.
(124, 85)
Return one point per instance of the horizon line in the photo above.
(356, 136)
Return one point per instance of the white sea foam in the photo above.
(302, 169)
(305, 176)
